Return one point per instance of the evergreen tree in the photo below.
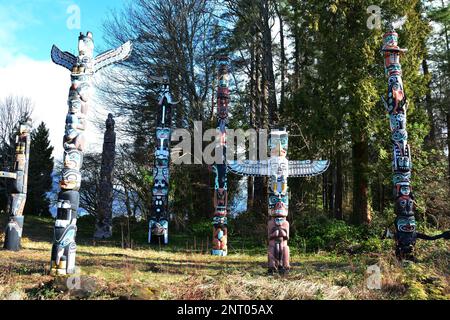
(40, 172)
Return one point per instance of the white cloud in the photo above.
(48, 86)
(44, 82)
(13, 18)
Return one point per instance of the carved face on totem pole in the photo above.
(71, 180)
(392, 53)
(161, 177)
(404, 206)
(278, 143)
(221, 195)
(86, 45)
(163, 141)
(159, 228)
(278, 174)
(73, 159)
(85, 61)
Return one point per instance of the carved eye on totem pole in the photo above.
(73, 159)
(403, 190)
(405, 206)
(278, 144)
(406, 224)
(220, 221)
(162, 162)
(278, 205)
(71, 180)
(402, 177)
(398, 121)
(159, 191)
(221, 197)
(403, 163)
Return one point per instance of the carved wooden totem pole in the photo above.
(278, 168)
(159, 221)
(82, 68)
(103, 226)
(18, 196)
(220, 233)
(397, 106)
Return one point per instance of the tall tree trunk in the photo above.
(339, 186)
(268, 63)
(325, 192)
(447, 43)
(283, 59)
(253, 104)
(258, 184)
(360, 162)
(331, 190)
(448, 147)
(430, 139)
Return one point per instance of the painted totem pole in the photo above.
(397, 106)
(18, 197)
(278, 168)
(103, 226)
(82, 68)
(220, 232)
(159, 221)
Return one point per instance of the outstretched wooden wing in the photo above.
(112, 56)
(249, 168)
(307, 168)
(64, 59)
(8, 175)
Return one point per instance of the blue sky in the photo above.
(28, 29)
(32, 26)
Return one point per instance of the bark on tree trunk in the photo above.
(448, 147)
(430, 139)
(339, 187)
(360, 162)
(268, 63)
(283, 59)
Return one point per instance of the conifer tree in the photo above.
(40, 172)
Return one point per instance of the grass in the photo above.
(185, 271)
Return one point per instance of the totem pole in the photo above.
(405, 234)
(159, 221)
(103, 226)
(220, 231)
(82, 68)
(278, 168)
(397, 105)
(18, 197)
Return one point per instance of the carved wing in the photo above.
(8, 175)
(249, 168)
(307, 168)
(112, 56)
(64, 59)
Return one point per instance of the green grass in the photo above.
(185, 270)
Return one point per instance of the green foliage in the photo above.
(322, 233)
(202, 229)
(39, 172)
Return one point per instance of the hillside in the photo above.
(184, 270)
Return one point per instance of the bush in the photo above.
(322, 233)
(202, 229)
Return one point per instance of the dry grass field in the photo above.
(109, 272)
